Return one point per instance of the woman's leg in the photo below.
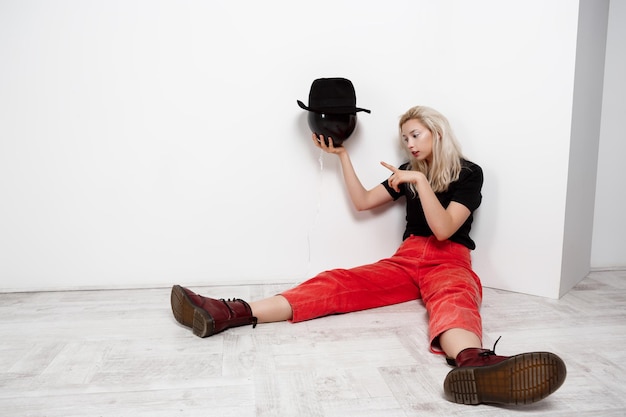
(389, 281)
(386, 282)
(453, 341)
(453, 303)
(272, 309)
(346, 290)
(452, 294)
(330, 292)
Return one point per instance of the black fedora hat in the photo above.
(332, 96)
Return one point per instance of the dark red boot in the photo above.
(207, 316)
(484, 377)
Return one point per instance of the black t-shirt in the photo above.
(465, 190)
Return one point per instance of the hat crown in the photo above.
(332, 93)
(333, 96)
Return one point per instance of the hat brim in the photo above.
(333, 110)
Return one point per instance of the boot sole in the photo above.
(521, 379)
(203, 323)
(189, 315)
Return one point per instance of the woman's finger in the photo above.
(389, 167)
(331, 144)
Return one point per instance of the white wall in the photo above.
(609, 229)
(149, 142)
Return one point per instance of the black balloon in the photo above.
(337, 126)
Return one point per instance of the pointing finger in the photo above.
(389, 167)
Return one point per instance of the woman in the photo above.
(442, 190)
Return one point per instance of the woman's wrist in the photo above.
(420, 179)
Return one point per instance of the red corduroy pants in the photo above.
(439, 273)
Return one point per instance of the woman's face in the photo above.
(418, 139)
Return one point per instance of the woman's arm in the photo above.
(443, 222)
(362, 199)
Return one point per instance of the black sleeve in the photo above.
(468, 187)
(393, 193)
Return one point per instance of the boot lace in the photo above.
(491, 352)
(253, 320)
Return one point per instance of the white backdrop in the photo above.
(150, 142)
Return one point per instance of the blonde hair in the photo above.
(446, 160)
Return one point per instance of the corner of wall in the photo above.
(584, 142)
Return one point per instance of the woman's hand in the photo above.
(330, 148)
(399, 176)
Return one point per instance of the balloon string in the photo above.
(321, 159)
(319, 204)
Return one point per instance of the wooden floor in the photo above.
(120, 353)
